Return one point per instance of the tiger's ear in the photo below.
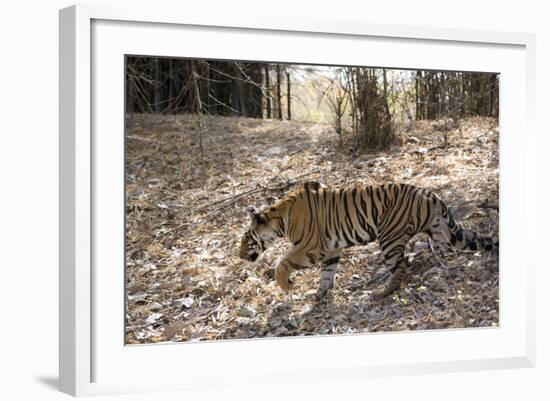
(314, 185)
(256, 215)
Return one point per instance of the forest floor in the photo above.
(186, 215)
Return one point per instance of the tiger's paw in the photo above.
(378, 295)
(283, 279)
(320, 294)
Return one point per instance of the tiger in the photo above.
(320, 221)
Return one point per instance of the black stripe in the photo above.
(332, 261)
(347, 220)
(428, 207)
(397, 217)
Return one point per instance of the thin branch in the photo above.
(430, 242)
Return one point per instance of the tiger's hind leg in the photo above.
(328, 271)
(394, 253)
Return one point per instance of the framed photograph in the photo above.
(290, 200)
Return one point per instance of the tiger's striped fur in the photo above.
(321, 221)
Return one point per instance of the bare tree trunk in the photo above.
(279, 108)
(453, 99)
(416, 96)
(354, 106)
(267, 91)
(441, 98)
(198, 104)
(463, 105)
(208, 89)
(387, 120)
(171, 85)
(339, 114)
(130, 97)
(288, 97)
(157, 95)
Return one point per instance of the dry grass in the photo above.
(184, 223)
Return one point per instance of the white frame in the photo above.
(76, 206)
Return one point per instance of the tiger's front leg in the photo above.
(295, 260)
(328, 271)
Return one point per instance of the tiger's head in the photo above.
(262, 233)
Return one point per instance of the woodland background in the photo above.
(368, 100)
(205, 139)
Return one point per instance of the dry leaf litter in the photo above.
(187, 213)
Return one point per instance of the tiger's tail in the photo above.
(462, 238)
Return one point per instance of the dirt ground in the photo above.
(186, 215)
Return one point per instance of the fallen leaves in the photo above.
(186, 215)
(186, 301)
